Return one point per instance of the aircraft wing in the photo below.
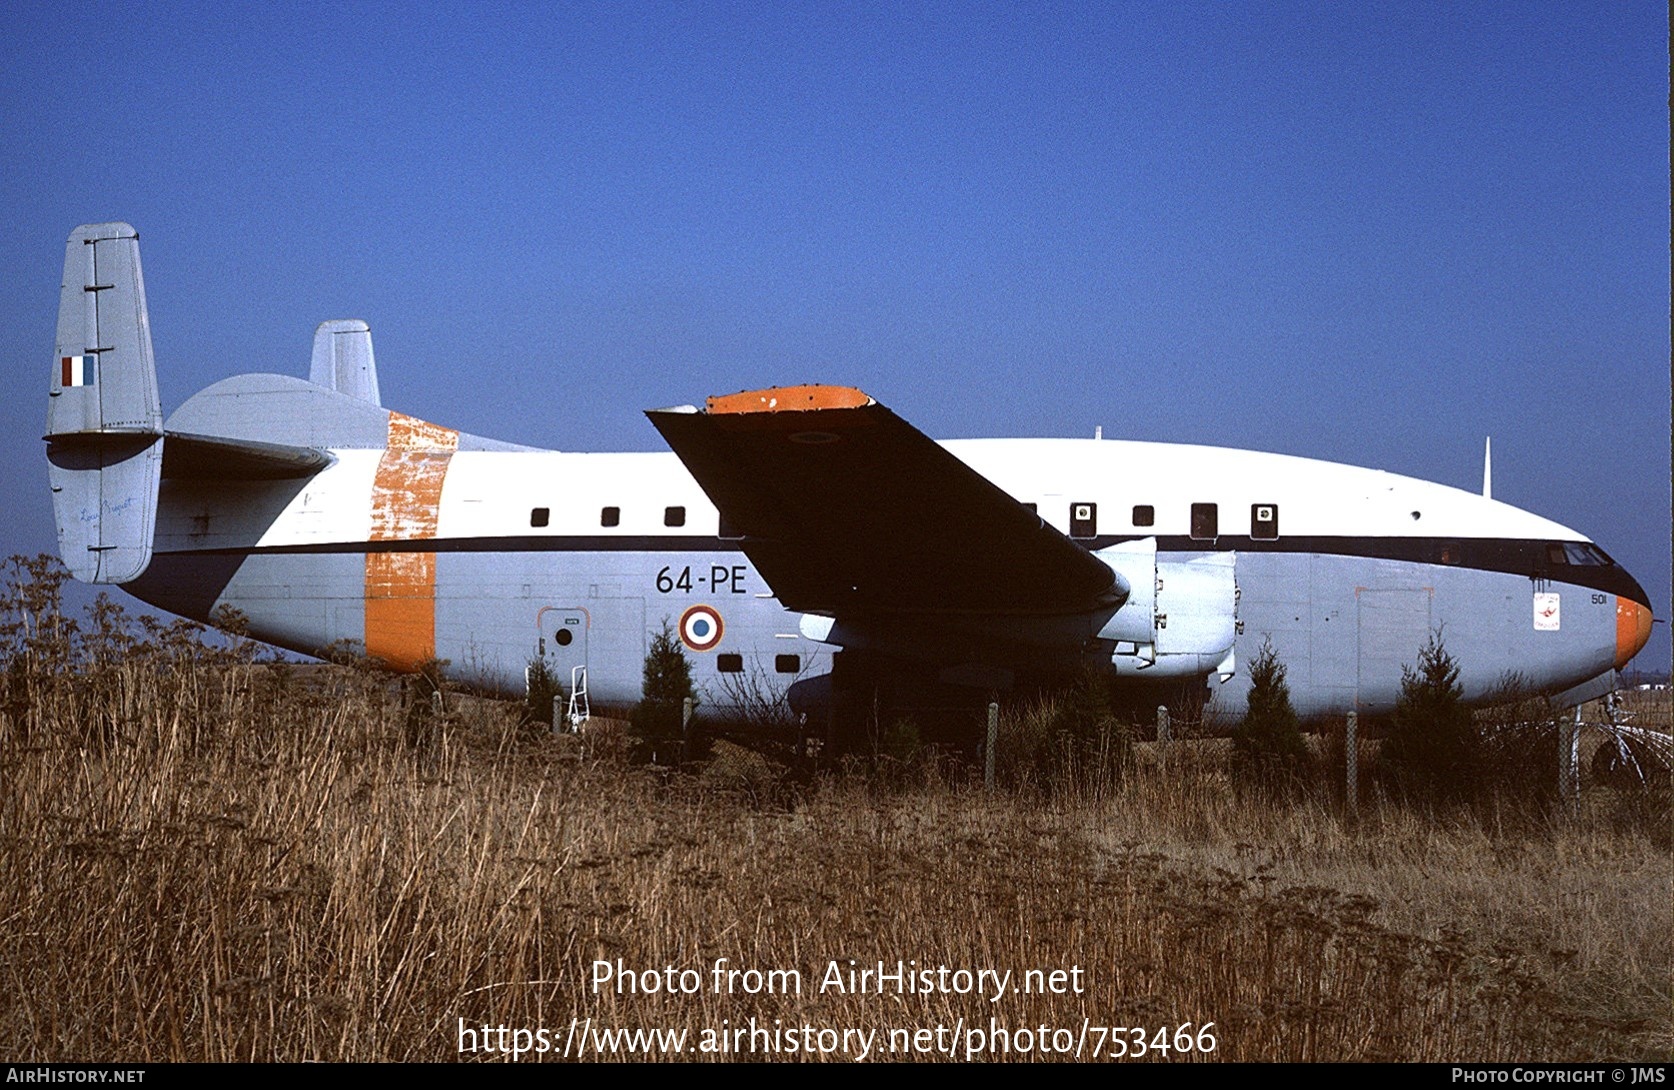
(843, 506)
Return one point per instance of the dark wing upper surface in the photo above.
(843, 506)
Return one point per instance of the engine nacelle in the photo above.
(1181, 618)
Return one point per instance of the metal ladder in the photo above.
(580, 709)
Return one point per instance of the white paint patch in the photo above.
(1546, 612)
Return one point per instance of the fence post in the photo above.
(1163, 732)
(560, 716)
(1351, 765)
(1569, 758)
(685, 727)
(988, 750)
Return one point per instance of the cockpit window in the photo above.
(1577, 553)
(1580, 552)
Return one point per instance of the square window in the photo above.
(1144, 515)
(1205, 522)
(610, 516)
(540, 516)
(1264, 521)
(1084, 520)
(729, 663)
(674, 516)
(787, 664)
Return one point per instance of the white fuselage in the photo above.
(1344, 570)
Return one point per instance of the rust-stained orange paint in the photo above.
(406, 500)
(779, 399)
(1633, 629)
(411, 433)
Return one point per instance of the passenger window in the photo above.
(1144, 515)
(1205, 522)
(1264, 521)
(674, 516)
(1450, 552)
(610, 516)
(787, 664)
(729, 663)
(540, 516)
(1084, 520)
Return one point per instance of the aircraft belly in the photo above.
(490, 622)
(299, 602)
(1361, 620)
(481, 612)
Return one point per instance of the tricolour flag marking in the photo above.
(76, 370)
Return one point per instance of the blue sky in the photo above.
(1368, 236)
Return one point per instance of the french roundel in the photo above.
(701, 628)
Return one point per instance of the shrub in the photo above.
(1070, 741)
(1433, 750)
(425, 697)
(656, 718)
(543, 687)
(1268, 747)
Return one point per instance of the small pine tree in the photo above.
(1268, 746)
(668, 676)
(1433, 750)
(668, 682)
(543, 687)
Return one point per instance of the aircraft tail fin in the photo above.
(343, 359)
(104, 418)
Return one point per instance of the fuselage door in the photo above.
(1394, 625)
(563, 640)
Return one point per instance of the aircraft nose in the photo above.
(1633, 629)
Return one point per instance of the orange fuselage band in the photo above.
(406, 502)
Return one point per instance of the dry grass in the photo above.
(225, 862)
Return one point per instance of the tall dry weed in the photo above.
(219, 860)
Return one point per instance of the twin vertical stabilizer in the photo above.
(343, 359)
(104, 419)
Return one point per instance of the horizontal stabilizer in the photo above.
(203, 457)
(845, 507)
(280, 411)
